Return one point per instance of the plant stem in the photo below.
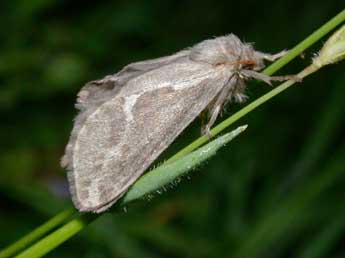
(57, 237)
(37, 233)
(310, 40)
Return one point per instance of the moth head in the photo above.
(227, 50)
(250, 58)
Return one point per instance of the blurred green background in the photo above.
(276, 191)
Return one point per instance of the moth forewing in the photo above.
(125, 134)
(129, 118)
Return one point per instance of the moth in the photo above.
(127, 119)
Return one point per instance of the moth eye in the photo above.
(248, 66)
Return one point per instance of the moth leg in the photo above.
(273, 57)
(267, 78)
(206, 129)
(215, 107)
(281, 78)
(203, 117)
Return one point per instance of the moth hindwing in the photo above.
(127, 119)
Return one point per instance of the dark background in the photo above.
(276, 191)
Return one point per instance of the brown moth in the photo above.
(127, 119)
